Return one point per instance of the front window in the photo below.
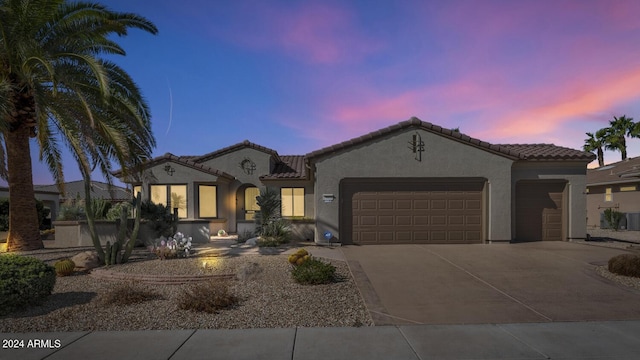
(292, 202)
(173, 196)
(608, 196)
(207, 200)
(136, 189)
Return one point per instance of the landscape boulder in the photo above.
(86, 260)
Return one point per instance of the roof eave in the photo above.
(613, 182)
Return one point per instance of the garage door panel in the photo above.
(473, 204)
(438, 220)
(385, 204)
(421, 204)
(368, 220)
(473, 220)
(456, 205)
(456, 220)
(417, 213)
(404, 204)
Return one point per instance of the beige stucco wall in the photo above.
(190, 177)
(574, 198)
(390, 157)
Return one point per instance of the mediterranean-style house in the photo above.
(614, 186)
(413, 182)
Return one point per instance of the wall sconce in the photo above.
(169, 169)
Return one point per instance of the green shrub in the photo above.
(613, 218)
(72, 209)
(162, 221)
(24, 281)
(127, 294)
(114, 211)
(313, 272)
(625, 264)
(4, 214)
(209, 297)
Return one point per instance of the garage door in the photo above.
(539, 211)
(403, 212)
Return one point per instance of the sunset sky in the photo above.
(296, 76)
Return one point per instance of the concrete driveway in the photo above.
(476, 284)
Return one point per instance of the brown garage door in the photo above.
(392, 212)
(539, 211)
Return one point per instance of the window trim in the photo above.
(168, 197)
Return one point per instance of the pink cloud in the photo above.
(318, 33)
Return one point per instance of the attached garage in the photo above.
(416, 182)
(539, 211)
(405, 211)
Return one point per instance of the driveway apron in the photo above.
(475, 284)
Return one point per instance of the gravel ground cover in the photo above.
(269, 298)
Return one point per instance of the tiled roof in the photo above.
(74, 189)
(624, 171)
(183, 160)
(516, 152)
(547, 152)
(291, 167)
(232, 148)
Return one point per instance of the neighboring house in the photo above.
(614, 186)
(413, 182)
(52, 198)
(74, 190)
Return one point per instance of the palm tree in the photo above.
(55, 87)
(594, 143)
(614, 138)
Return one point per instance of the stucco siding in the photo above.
(184, 175)
(391, 156)
(574, 173)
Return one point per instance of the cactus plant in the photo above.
(64, 267)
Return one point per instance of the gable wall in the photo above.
(230, 163)
(391, 157)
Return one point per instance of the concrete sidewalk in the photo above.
(575, 340)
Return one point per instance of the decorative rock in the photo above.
(86, 260)
(252, 242)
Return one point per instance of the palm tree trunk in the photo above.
(23, 217)
(600, 157)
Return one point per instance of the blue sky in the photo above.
(296, 76)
